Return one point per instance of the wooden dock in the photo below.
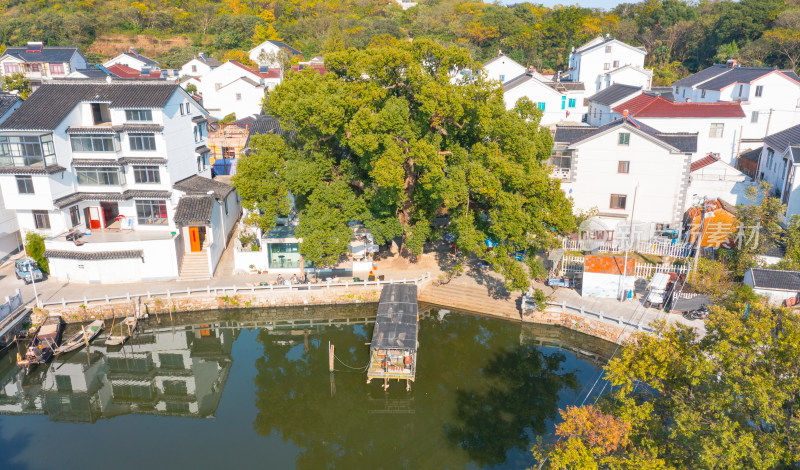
(393, 351)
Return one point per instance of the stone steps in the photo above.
(194, 266)
(475, 299)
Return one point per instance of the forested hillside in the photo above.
(679, 36)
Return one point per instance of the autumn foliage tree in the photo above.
(396, 137)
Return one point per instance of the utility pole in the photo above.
(630, 239)
(700, 232)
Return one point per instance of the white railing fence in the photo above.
(677, 250)
(227, 290)
(11, 304)
(566, 308)
(572, 264)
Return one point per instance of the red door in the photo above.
(94, 218)
(194, 238)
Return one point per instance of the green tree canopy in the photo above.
(729, 399)
(396, 137)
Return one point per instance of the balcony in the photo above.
(563, 174)
(27, 152)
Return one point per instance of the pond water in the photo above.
(250, 389)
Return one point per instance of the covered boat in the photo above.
(44, 343)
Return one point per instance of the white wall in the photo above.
(606, 286)
(590, 65)
(238, 97)
(719, 180)
(125, 59)
(266, 47)
(503, 69)
(200, 68)
(538, 92)
(726, 146)
(628, 76)
(661, 177)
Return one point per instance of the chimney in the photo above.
(499, 52)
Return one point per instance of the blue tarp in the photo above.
(224, 166)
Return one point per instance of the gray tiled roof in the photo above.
(142, 161)
(210, 61)
(146, 60)
(752, 155)
(194, 209)
(701, 76)
(7, 101)
(94, 72)
(30, 170)
(735, 75)
(780, 141)
(93, 255)
(200, 185)
(90, 130)
(95, 162)
(684, 142)
(566, 86)
(795, 152)
(48, 54)
(141, 128)
(614, 93)
(566, 134)
(776, 279)
(129, 194)
(53, 101)
(283, 45)
(517, 81)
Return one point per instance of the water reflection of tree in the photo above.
(294, 401)
(522, 396)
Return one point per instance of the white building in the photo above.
(603, 62)
(777, 285)
(502, 68)
(122, 162)
(778, 166)
(262, 53)
(601, 103)
(199, 66)
(234, 88)
(770, 98)
(558, 101)
(627, 170)
(40, 63)
(718, 124)
(713, 178)
(134, 60)
(10, 236)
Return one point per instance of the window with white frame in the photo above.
(144, 142)
(27, 150)
(92, 143)
(606, 66)
(194, 68)
(104, 176)
(616, 64)
(25, 184)
(11, 68)
(57, 69)
(624, 166)
(238, 97)
(74, 215)
(151, 212)
(759, 90)
(702, 93)
(41, 220)
(146, 174)
(754, 116)
(624, 138)
(608, 49)
(138, 115)
(716, 130)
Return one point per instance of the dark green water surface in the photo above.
(248, 389)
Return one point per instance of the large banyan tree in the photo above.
(400, 137)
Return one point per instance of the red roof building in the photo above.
(123, 71)
(272, 72)
(647, 105)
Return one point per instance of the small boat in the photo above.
(42, 347)
(122, 333)
(85, 336)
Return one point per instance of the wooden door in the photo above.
(194, 238)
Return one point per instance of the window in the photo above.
(138, 115)
(540, 105)
(151, 212)
(41, 219)
(618, 201)
(623, 166)
(194, 68)
(92, 143)
(175, 387)
(199, 132)
(601, 115)
(606, 66)
(11, 68)
(27, 150)
(502, 78)
(702, 93)
(203, 161)
(57, 69)
(238, 97)
(142, 141)
(74, 215)
(188, 109)
(563, 102)
(608, 49)
(624, 138)
(572, 102)
(754, 116)
(716, 130)
(171, 361)
(741, 88)
(146, 174)
(759, 90)
(25, 184)
(106, 176)
(616, 64)
(35, 68)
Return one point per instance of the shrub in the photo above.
(34, 246)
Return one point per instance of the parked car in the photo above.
(27, 270)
